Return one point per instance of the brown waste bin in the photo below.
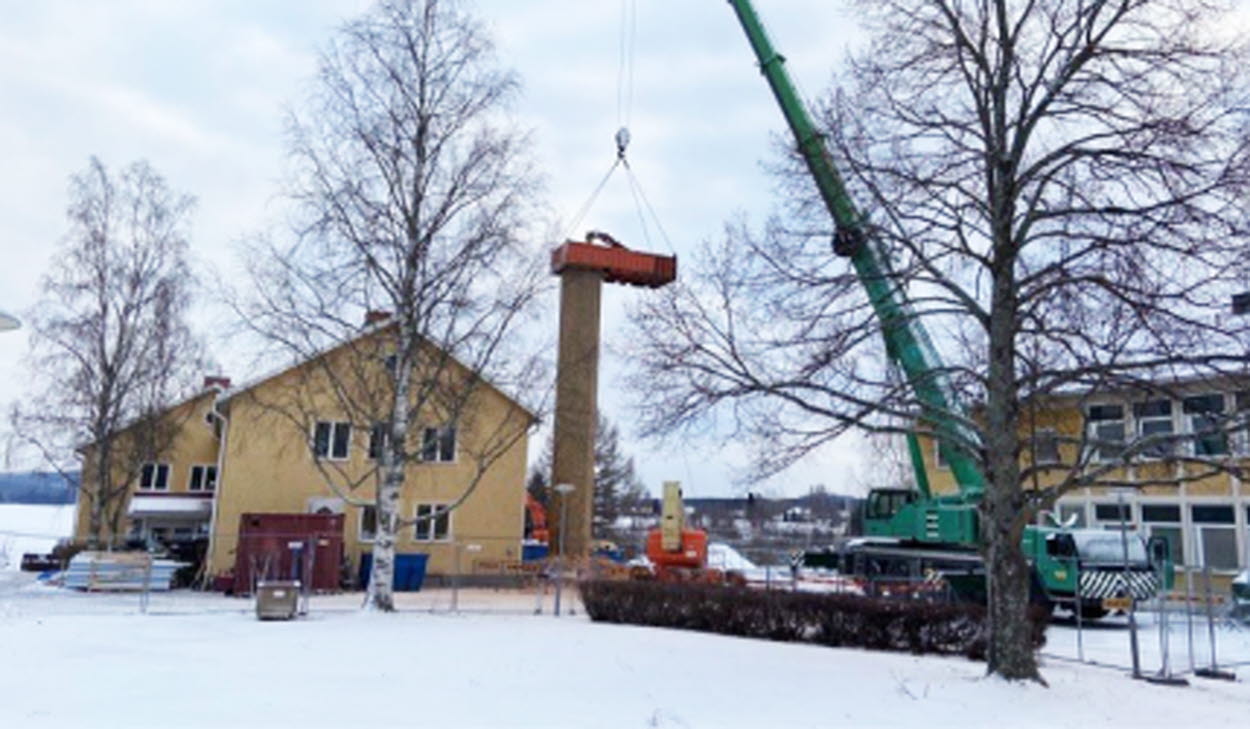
(277, 599)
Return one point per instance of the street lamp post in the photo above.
(564, 489)
(8, 322)
(455, 584)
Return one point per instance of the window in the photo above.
(1046, 445)
(1154, 418)
(154, 477)
(885, 503)
(203, 478)
(1204, 414)
(1113, 514)
(331, 440)
(1164, 520)
(432, 530)
(1216, 536)
(1241, 406)
(1241, 304)
(368, 524)
(439, 444)
(377, 440)
(1106, 431)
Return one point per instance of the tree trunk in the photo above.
(393, 459)
(382, 581)
(1010, 644)
(99, 495)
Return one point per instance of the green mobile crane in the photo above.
(913, 529)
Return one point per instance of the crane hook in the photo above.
(622, 141)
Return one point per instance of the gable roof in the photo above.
(365, 332)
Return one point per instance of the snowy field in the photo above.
(202, 660)
(31, 528)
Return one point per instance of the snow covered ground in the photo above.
(31, 528)
(202, 660)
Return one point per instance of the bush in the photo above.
(848, 621)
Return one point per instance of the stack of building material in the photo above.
(120, 571)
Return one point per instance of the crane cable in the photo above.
(627, 42)
(625, 66)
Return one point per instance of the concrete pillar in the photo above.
(577, 382)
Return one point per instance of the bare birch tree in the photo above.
(1060, 186)
(415, 198)
(111, 347)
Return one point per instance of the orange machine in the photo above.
(536, 528)
(677, 553)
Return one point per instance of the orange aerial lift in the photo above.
(677, 553)
(536, 524)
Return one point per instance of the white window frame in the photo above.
(1038, 438)
(1091, 427)
(1140, 422)
(433, 506)
(360, 524)
(1192, 429)
(1200, 527)
(157, 468)
(206, 469)
(1098, 522)
(378, 436)
(334, 426)
(439, 432)
(1149, 526)
(1239, 440)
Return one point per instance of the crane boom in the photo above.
(907, 341)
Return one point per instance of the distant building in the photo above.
(1204, 516)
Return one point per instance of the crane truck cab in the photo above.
(1086, 570)
(1083, 569)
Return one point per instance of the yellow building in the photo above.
(284, 443)
(1202, 509)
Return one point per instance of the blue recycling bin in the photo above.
(409, 571)
(533, 552)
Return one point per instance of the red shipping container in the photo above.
(304, 547)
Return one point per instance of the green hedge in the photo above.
(853, 621)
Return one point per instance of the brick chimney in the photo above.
(220, 382)
(376, 316)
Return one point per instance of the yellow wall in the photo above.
(1068, 421)
(1183, 485)
(269, 468)
(194, 444)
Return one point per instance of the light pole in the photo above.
(455, 585)
(564, 489)
(8, 322)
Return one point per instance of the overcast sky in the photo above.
(198, 88)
